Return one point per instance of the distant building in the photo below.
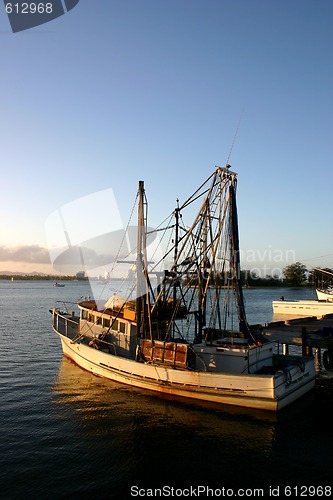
(80, 275)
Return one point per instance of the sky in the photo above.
(117, 91)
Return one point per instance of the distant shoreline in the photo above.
(56, 278)
(48, 277)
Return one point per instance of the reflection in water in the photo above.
(80, 436)
(132, 437)
(145, 435)
(117, 436)
(94, 397)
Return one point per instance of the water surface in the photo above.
(69, 434)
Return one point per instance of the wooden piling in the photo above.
(306, 349)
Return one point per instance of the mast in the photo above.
(142, 285)
(202, 273)
(140, 302)
(175, 260)
(235, 262)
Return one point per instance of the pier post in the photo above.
(318, 358)
(306, 349)
(285, 349)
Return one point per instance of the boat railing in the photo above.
(63, 321)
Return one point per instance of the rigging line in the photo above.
(167, 218)
(320, 256)
(193, 198)
(190, 199)
(168, 252)
(198, 221)
(152, 232)
(121, 243)
(234, 139)
(160, 229)
(165, 229)
(125, 232)
(318, 268)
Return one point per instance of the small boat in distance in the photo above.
(185, 331)
(58, 285)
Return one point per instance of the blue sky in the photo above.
(118, 91)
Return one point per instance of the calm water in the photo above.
(68, 434)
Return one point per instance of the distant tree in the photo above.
(295, 274)
(251, 278)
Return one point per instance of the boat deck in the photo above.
(308, 331)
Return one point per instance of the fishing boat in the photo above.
(184, 333)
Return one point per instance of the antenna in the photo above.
(234, 139)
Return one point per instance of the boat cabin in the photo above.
(116, 326)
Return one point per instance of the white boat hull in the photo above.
(322, 295)
(267, 392)
(302, 307)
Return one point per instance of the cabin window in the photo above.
(98, 320)
(121, 327)
(106, 322)
(84, 314)
(114, 325)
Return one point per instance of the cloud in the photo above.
(33, 254)
(102, 250)
(78, 257)
(91, 254)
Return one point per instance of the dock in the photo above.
(308, 332)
